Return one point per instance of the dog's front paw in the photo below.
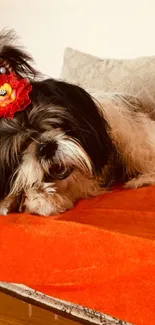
(133, 183)
(46, 205)
(141, 180)
(38, 205)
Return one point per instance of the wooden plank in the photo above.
(21, 305)
(14, 311)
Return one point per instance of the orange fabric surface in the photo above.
(100, 255)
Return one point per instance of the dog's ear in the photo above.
(15, 57)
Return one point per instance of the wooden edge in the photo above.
(61, 307)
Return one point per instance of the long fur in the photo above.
(70, 143)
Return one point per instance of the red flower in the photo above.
(14, 94)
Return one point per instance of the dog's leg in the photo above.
(141, 180)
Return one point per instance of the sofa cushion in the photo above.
(135, 76)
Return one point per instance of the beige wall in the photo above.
(107, 28)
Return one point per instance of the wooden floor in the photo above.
(17, 312)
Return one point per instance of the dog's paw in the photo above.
(140, 181)
(47, 205)
(39, 206)
(133, 183)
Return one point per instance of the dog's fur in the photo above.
(69, 144)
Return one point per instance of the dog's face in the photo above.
(61, 132)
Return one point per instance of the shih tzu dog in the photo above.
(67, 143)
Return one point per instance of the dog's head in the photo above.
(60, 132)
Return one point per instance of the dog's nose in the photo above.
(47, 150)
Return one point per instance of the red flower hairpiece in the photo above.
(14, 94)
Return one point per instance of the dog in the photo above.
(69, 143)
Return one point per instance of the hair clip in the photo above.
(14, 94)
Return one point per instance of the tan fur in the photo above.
(133, 135)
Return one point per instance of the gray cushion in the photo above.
(135, 76)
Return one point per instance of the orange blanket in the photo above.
(108, 265)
